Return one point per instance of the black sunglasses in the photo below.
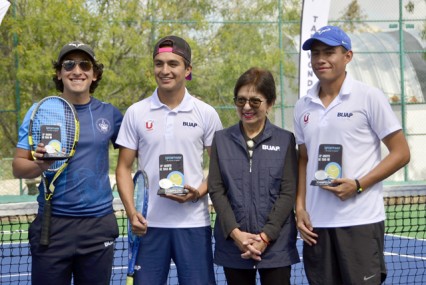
(241, 102)
(70, 64)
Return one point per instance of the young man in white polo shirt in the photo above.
(170, 123)
(339, 125)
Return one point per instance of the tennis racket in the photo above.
(141, 185)
(53, 122)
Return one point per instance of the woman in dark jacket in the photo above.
(252, 184)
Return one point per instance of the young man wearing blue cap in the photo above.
(339, 126)
(167, 125)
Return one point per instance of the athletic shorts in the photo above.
(80, 248)
(347, 255)
(190, 250)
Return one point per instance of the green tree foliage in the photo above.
(247, 35)
(227, 37)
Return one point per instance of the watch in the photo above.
(358, 187)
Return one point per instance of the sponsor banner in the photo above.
(314, 16)
(4, 6)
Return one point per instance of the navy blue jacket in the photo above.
(256, 198)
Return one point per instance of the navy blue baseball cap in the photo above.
(331, 36)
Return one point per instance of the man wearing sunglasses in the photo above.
(83, 225)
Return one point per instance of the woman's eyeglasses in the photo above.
(70, 64)
(241, 102)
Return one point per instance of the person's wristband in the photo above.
(358, 187)
(198, 196)
(264, 240)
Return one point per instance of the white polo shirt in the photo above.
(358, 119)
(153, 129)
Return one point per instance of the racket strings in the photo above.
(54, 122)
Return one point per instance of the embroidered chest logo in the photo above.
(149, 125)
(189, 124)
(270, 147)
(103, 125)
(306, 118)
(344, 114)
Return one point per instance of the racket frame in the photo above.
(141, 206)
(49, 188)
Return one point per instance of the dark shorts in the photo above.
(189, 248)
(348, 255)
(81, 248)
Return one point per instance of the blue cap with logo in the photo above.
(331, 36)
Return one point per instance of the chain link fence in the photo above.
(389, 52)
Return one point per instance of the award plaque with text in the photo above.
(329, 164)
(172, 177)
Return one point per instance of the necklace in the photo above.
(250, 145)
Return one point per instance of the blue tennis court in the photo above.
(405, 258)
(405, 248)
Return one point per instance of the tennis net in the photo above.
(405, 241)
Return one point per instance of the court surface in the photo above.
(406, 266)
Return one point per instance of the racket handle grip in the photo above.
(129, 280)
(45, 223)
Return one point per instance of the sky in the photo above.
(381, 9)
(384, 13)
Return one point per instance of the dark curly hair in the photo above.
(98, 69)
